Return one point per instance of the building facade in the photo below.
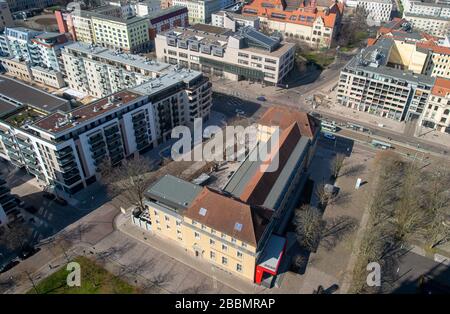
(305, 21)
(64, 147)
(234, 21)
(241, 240)
(247, 54)
(18, 5)
(437, 110)
(433, 25)
(379, 11)
(5, 16)
(200, 10)
(428, 8)
(98, 71)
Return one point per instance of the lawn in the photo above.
(94, 280)
(321, 58)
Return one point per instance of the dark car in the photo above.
(27, 252)
(8, 266)
(61, 201)
(49, 196)
(31, 209)
(261, 98)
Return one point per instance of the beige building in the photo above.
(246, 54)
(433, 25)
(235, 229)
(437, 111)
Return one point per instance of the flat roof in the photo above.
(28, 95)
(209, 29)
(125, 58)
(174, 192)
(272, 254)
(6, 107)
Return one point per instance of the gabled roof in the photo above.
(229, 215)
(441, 87)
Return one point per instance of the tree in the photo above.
(15, 237)
(354, 30)
(130, 179)
(322, 195)
(309, 226)
(336, 164)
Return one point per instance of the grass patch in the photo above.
(322, 59)
(94, 280)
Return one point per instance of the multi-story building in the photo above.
(235, 229)
(233, 20)
(33, 56)
(307, 21)
(7, 201)
(166, 19)
(64, 147)
(434, 25)
(5, 16)
(98, 71)
(428, 7)
(378, 11)
(437, 110)
(18, 5)
(246, 54)
(200, 10)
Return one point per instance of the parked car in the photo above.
(61, 201)
(49, 196)
(329, 136)
(261, 98)
(8, 266)
(28, 251)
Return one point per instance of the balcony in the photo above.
(70, 174)
(138, 117)
(112, 137)
(111, 130)
(4, 190)
(98, 154)
(62, 162)
(94, 139)
(34, 172)
(63, 152)
(97, 146)
(69, 166)
(72, 181)
(6, 199)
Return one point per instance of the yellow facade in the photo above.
(408, 57)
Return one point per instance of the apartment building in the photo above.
(64, 147)
(434, 25)
(5, 16)
(200, 10)
(379, 11)
(428, 7)
(99, 71)
(233, 21)
(312, 23)
(242, 239)
(16, 41)
(246, 54)
(166, 19)
(437, 110)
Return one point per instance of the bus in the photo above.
(329, 127)
(380, 144)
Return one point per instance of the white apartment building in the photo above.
(378, 11)
(200, 10)
(64, 148)
(428, 8)
(5, 16)
(247, 54)
(99, 71)
(233, 20)
(433, 25)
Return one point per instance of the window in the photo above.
(224, 247)
(166, 218)
(204, 227)
(223, 235)
(244, 244)
(224, 260)
(233, 240)
(156, 213)
(212, 255)
(167, 227)
(194, 223)
(239, 254)
(239, 267)
(197, 235)
(212, 242)
(178, 222)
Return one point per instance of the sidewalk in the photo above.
(123, 223)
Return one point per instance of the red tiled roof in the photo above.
(441, 87)
(224, 212)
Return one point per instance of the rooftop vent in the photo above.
(202, 211)
(238, 226)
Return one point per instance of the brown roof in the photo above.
(441, 87)
(284, 117)
(223, 212)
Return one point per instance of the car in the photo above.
(8, 266)
(31, 209)
(261, 98)
(61, 201)
(27, 252)
(329, 136)
(49, 196)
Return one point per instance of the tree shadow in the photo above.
(352, 170)
(336, 230)
(198, 289)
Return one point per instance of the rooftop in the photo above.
(6, 107)
(163, 192)
(124, 58)
(237, 15)
(19, 93)
(441, 87)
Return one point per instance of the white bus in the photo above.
(329, 127)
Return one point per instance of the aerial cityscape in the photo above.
(224, 147)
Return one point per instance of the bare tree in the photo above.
(15, 237)
(336, 164)
(322, 195)
(130, 179)
(309, 226)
